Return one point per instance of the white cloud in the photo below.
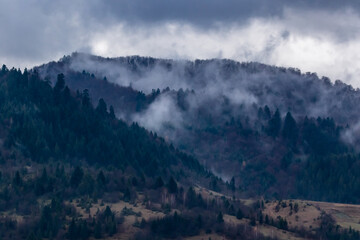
(161, 114)
(319, 42)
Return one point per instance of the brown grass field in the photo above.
(307, 216)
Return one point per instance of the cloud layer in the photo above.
(321, 36)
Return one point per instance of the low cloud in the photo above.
(163, 116)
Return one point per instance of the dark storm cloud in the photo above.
(196, 12)
(207, 12)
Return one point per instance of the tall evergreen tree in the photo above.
(274, 124)
(172, 186)
(60, 83)
(267, 113)
(101, 108)
(111, 112)
(76, 177)
(290, 130)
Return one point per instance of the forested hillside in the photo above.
(51, 123)
(274, 132)
(72, 170)
(57, 148)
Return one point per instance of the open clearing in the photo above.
(309, 212)
(307, 216)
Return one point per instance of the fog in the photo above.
(196, 101)
(219, 90)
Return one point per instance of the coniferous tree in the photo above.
(76, 177)
(296, 207)
(4, 69)
(60, 83)
(232, 184)
(267, 221)
(220, 218)
(100, 179)
(127, 195)
(112, 113)
(17, 181)
(239, 214)
(191, 198)
(274, 124)
(72, 230)
(172, 186)
(98, 230)
(290, 130)
(267, 113)
(159, 183)
(86, 98)
(260, 113)
(101, 108)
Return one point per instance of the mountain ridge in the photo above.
(234, 117)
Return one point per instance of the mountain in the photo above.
(275, 131)
(60, 156)
(222, 80)
(69, 169)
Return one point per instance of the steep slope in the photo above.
(56, 147)
(52, 123)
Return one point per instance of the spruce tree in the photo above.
(290, 131)
(172, 186)
(274, 124)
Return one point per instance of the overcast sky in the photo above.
(320, 36)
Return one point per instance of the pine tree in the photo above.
(290, 130)
(267, 113)
(100, 179)
(159, 183)
(127, 195)
(239, 214)
(232, 184)
(60, 83)
(296, 207)
(76, 177)
(191, 198)
(17, 181)
(72, 231)
(112, 113)
(101, 108)
(274, 124)
(98, 230)
(172, 186)
(85, 101)
(220, 218)
(267, 221)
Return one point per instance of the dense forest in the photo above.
(55, 123)
(62, 158)
(242, 121)
(56, 147)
